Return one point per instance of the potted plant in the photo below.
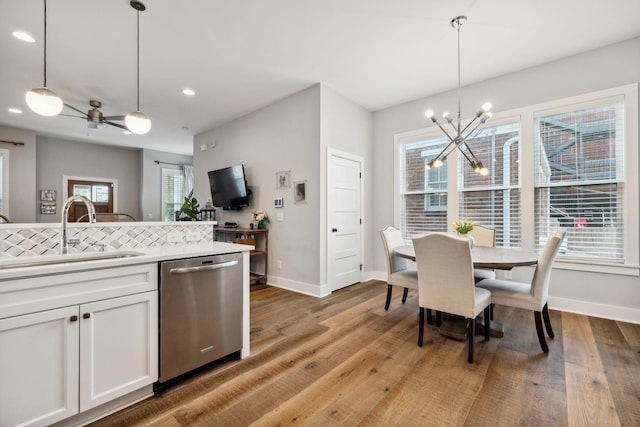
(190, 208)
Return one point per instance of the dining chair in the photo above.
(483, 236)
(532, 296)
(445, 280)
(398, 271)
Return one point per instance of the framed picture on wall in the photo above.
(300, 192)
(48, 208)
(283, 180)
(47, 195)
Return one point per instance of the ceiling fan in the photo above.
(94, 117)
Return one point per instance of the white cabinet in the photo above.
(39, 367)
(118, 347)
(60, 362)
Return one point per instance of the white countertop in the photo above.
(14, 268)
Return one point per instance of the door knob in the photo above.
(334, 230)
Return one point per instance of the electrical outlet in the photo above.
(193, 236)
(174, 236)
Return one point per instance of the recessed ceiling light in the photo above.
(188, 92)
(15, 110)
(23, 36)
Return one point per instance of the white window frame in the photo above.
(631, 203)
(4, 158)
(163, 200)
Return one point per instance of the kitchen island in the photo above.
(79, 332)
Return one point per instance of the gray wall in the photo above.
(22, 179)
(347, 127)
(612, 66)
(292, 134)
(57, 158)
(280, 137)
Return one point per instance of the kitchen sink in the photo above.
(66, 259)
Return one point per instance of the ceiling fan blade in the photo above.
(75, 109)
(115, 118)
(118, 125)
(71, 115)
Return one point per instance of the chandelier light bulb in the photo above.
(137, 122)
(484, 171)
(428, 113)
(44, 102)
(437, 163)
(486, 106)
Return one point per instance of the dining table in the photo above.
(496, 258)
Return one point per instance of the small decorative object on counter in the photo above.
(261, 218)
(464, 226)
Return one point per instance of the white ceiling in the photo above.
(240, 55)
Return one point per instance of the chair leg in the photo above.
(547, 321)
(429, 318)
(404, 295)
(471, 333)
(438, 318)
(386, 304)
(487, 324)
(543, 343)
(492, 305)
(421, 327)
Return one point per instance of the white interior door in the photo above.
(344, 219)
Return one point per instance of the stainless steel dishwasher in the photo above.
(200, 312)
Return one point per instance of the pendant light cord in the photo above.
(138, 57)
(459, 114)
(45, 43)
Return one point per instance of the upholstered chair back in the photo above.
(392, 238)
(483, 236)
(445, 273)
(540, 281)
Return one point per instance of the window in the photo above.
(493, 200)
(567, 164)
(4, 182)
(172, 192)
(580, 179)
(423, 193)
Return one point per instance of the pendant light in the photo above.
(461, 135)
(40, 99)
(138, 122)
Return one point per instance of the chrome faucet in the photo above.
(91, 210)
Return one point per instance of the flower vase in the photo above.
(261, 225)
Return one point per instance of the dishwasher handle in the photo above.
(185, 270)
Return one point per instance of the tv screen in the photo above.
(229, 188)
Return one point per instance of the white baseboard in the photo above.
(300, 287)
(606, 311)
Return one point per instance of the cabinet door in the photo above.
(118, 347)
(39, 367)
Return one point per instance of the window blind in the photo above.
(494, 200)
(172, 192)
(423, 193)
(579, 182)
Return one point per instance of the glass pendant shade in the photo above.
(137, 122)
(44, 102)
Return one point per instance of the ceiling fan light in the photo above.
(44, 102)
(137, 122)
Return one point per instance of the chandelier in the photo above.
(458, 139)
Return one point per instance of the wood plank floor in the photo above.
(343, 360)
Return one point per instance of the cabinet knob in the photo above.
(86, 315)
(334, 230)
(73, 318)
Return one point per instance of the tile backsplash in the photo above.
(19, 240)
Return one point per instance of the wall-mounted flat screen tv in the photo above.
(229, 188)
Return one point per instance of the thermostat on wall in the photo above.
(277, 203)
